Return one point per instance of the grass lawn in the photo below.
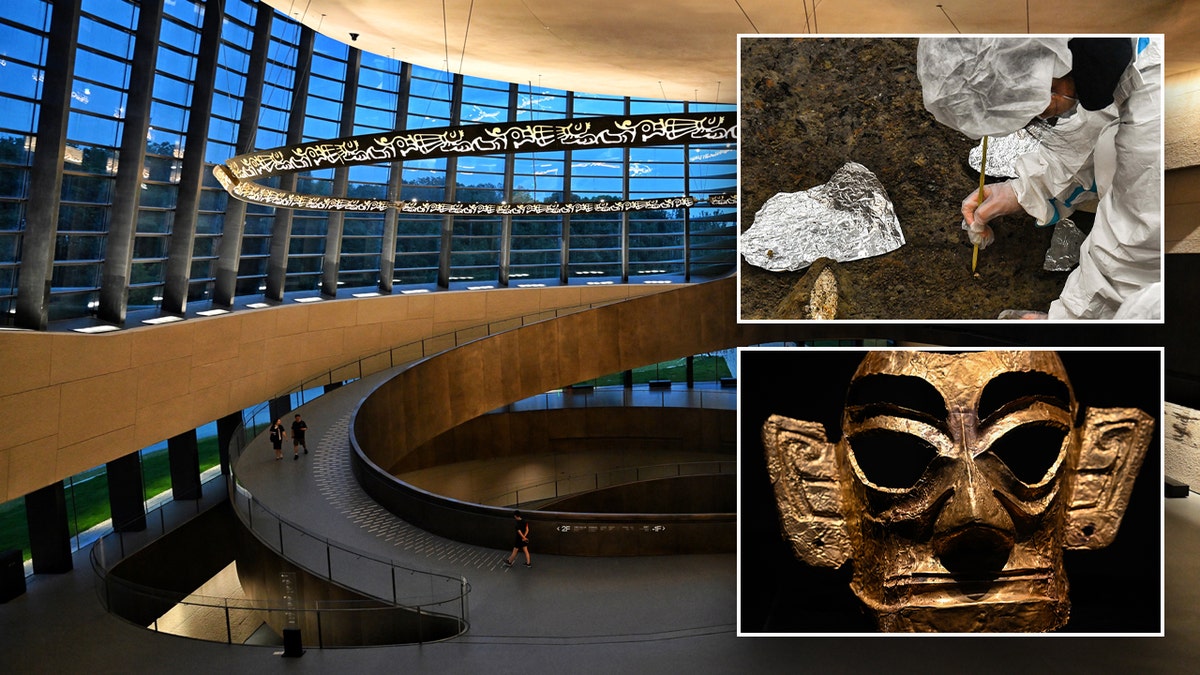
(704, 369)
(87, 495)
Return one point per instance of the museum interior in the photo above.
(478, 259)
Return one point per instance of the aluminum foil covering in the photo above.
(1003, 152)
(848, 218)
(1063, 253)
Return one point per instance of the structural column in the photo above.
(341, 178)
(49, 535)
(191, 176)
(227, 429)
(183, 453)
(687, 214)
(279, 408)
(126, 493)
(45, 174)
(506, 226)
(229, 250)
(281, 229)
(122, 226)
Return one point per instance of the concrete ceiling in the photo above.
(687, 49)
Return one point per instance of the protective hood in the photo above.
(989, 86)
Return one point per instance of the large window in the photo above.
(23, 28)
(429, 249)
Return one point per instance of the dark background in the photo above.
(1113, 590)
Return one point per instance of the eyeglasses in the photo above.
(1044, 120)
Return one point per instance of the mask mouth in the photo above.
(950, 587)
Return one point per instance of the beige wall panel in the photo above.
(73, 459)
(30, 415)
(213, 374)
(77, 356)
(293, 318)
(381, 309)
(155, 344)
(332, 315)
(246, 391)
(161, 381)
(459, 309)
(97, 405)
(24, 361)
(363, 339)
(440, 342)
(215, 339)
(1182, 103)
(510, 302)
(323, 349)
(1182, 186)
(1183, 228)
(400, 333)
(31, 466)
(229, 362)
(171, 417)
(553, 297)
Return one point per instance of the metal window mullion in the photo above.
(191, 175)
(122, 227)
(281, 230)
(335, 224)
(45, 172)
(625, 161)
(229, 249)
(443, 280)
(387, 254)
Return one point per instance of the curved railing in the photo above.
(586, 482)
(427, 594)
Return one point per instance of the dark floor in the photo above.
(578, 615)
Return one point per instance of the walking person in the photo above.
(298, 429)
(278, 433)
(520, 541)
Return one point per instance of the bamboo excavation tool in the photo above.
(982, 174)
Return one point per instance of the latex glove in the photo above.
(999, 199)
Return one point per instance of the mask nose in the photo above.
(973, 534)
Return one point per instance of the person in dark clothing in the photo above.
(520, 541)
(278, 433)
(298, 429)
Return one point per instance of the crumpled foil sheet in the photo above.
(1003, 152)
(848, 218)
(1063, 253)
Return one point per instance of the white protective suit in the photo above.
(1119, 273)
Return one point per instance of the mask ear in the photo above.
(804, 472)
(1112, 445)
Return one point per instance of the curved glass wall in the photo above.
(254, 79)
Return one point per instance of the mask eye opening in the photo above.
(891, 460)
(1030, 451)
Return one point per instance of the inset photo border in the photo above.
(1117, 589)
(823, 244)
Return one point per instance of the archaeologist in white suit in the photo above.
(1079, 90)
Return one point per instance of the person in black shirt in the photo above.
(520, 541)
(298, 429)
(278, 433)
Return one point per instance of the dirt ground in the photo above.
(808, 105)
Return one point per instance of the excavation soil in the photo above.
(808, 105)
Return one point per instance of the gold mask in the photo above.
(959, 480)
